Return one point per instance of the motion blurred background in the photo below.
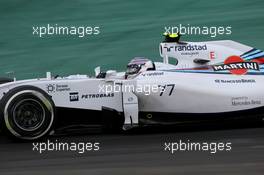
(127, 29)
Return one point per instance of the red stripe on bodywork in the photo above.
(258, 60)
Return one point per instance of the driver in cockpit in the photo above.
(138, 65)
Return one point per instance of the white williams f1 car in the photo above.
(197, 81)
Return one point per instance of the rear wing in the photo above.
(207, 51)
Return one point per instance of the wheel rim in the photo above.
(47, 105)
(28, 114)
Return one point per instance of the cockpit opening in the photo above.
(139, 64)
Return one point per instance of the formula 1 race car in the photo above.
(197, 81)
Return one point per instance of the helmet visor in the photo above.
(132, 69)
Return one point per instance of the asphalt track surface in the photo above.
(141, 153)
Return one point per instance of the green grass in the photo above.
(128, 29)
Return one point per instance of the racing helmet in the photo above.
(171, 37)
(139, 64)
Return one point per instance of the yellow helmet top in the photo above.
(171, 35)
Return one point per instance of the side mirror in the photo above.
(97, 71)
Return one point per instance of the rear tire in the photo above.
(28, 112)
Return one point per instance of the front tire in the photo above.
(28, 112)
